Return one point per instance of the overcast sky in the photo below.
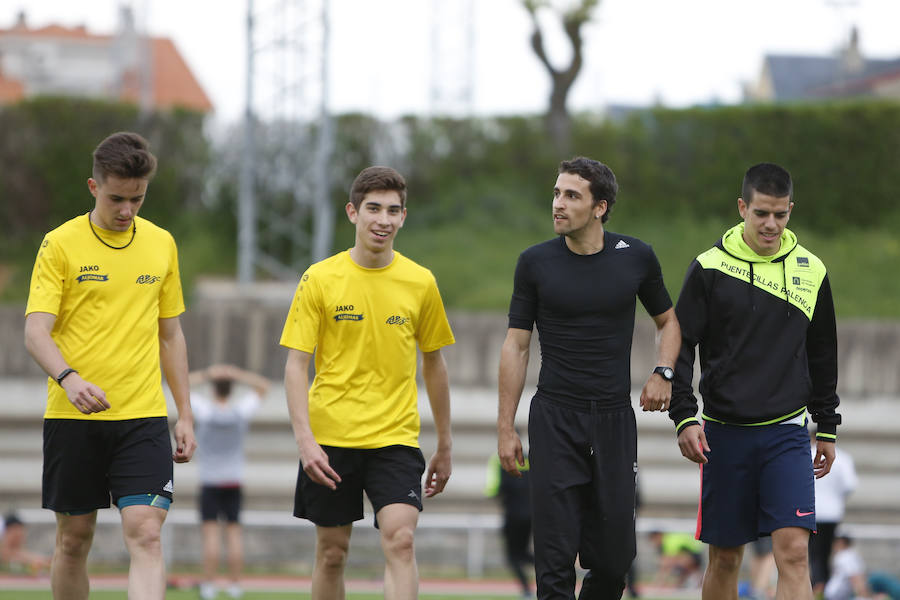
(679, 52)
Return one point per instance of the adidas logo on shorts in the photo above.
(169, 487)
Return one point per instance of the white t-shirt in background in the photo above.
(221, 430)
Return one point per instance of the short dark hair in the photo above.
(844, 537)
(11, 519)
(222, 387)
(602, 180)
(377, 179)
(125, 155)
(769, 179)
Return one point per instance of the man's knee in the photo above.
(147, 537)
(75, 539)
(332, 558)
(142, 529)
(399, 543)
(332, 548)
(792, 551)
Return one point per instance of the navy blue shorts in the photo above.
(758, 479)
(389, 475)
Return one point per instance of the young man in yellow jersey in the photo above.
(102, 316)
(364, 311)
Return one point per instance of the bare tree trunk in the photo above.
(559, 122)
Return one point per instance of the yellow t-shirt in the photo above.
(364, 325)
(108, 304)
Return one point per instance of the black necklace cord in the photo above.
(102, 241)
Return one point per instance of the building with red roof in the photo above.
(63, 61)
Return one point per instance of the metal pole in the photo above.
(246, 190)
(146, 102)
(468, 99)
(324, 218)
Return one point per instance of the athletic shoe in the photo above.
(208, 590)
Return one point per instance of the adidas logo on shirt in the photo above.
(622, 244)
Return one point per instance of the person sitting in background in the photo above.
(681, 557)
(221, 422)
(13, 555)
(848, 576)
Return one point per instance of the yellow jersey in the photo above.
(108, 303)
(364, 326)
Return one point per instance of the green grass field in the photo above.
(192, 595)
(21, 594)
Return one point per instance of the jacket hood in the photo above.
(733, 243)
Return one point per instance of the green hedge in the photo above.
(845, 160)
(480, 189)
(46, 146)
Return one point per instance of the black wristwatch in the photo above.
(666, 372)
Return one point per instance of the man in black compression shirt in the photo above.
(580, 289)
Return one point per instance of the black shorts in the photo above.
(220, 502)
(86, 462)
(389, 475)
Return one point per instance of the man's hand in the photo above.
(438, 474)
(509, 449)
(692, 441)
(185, 442)
(657, 394)
(315, 464)
(84, 395)
(824, 458)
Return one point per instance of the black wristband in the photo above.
(64, 374)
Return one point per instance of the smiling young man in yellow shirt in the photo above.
(364, 312)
